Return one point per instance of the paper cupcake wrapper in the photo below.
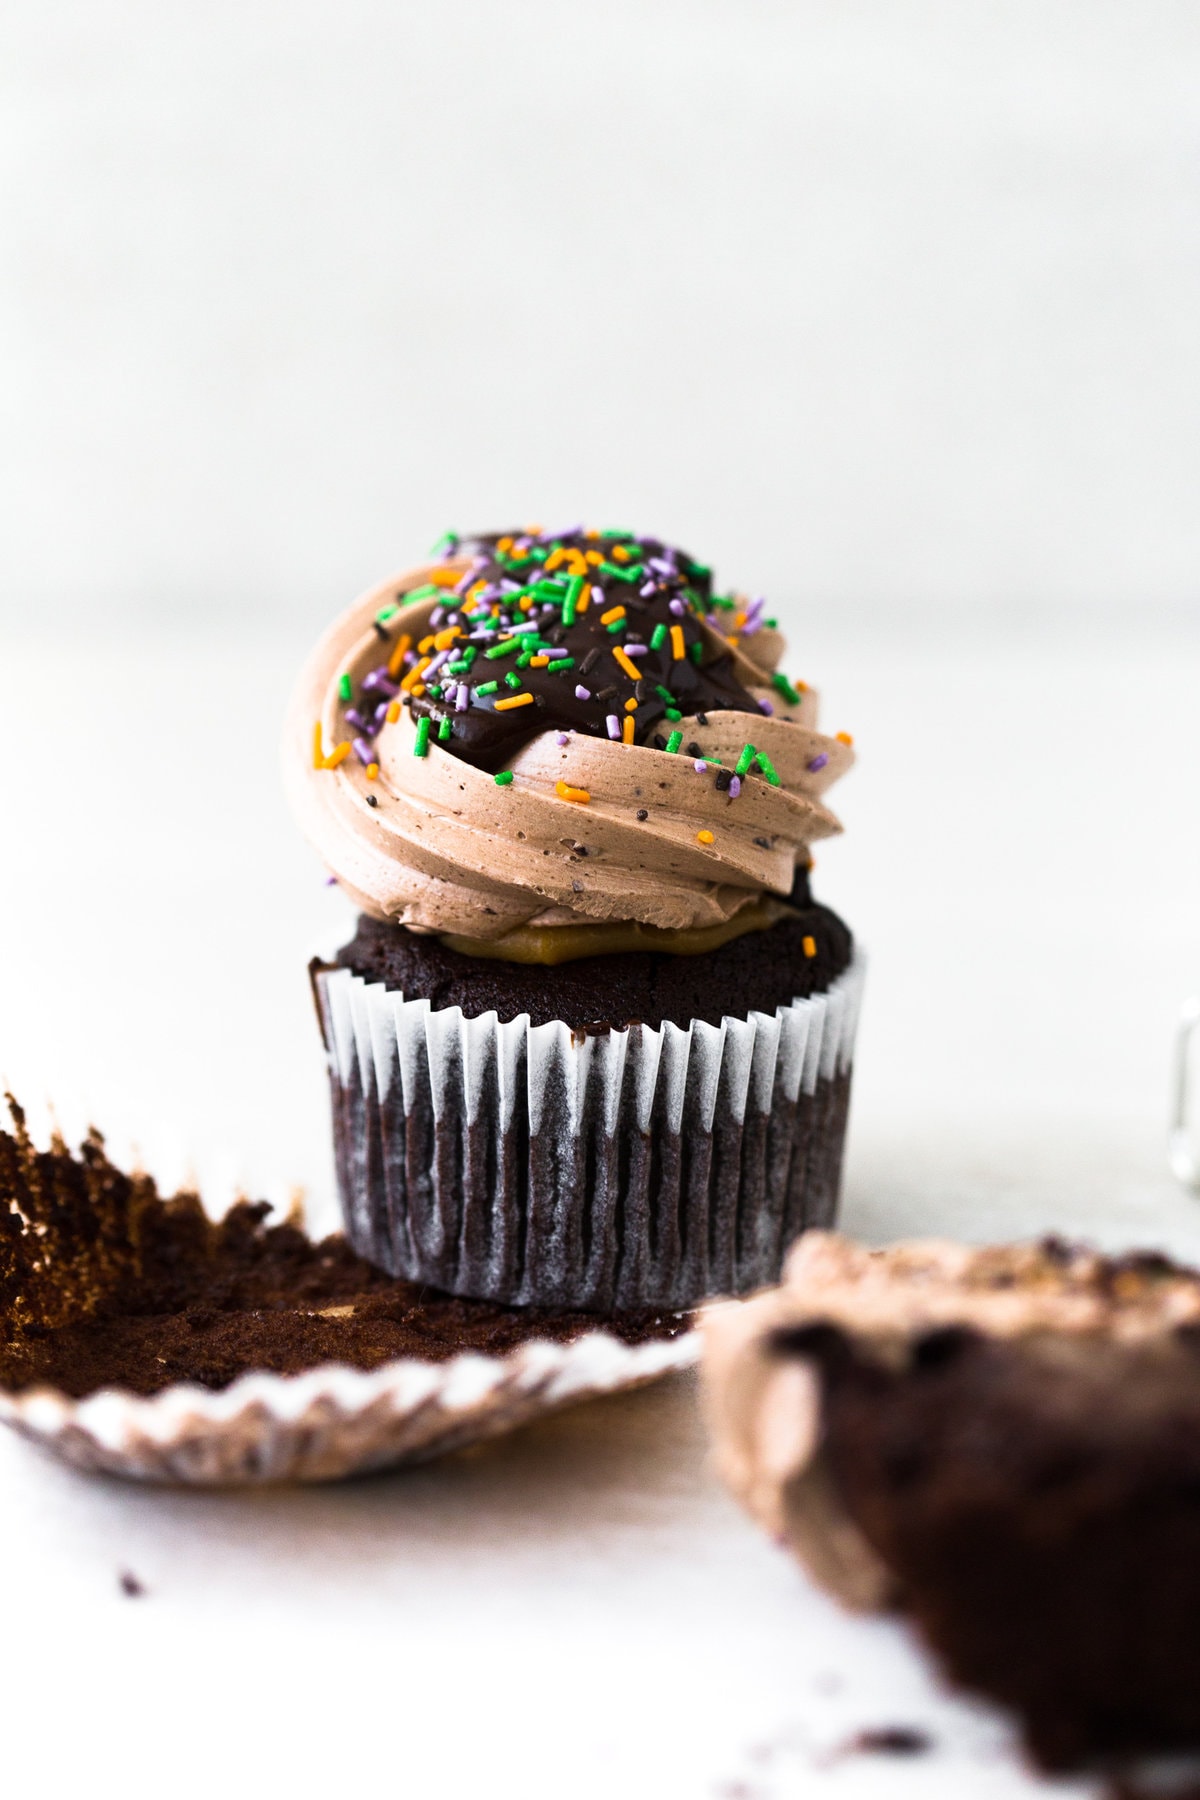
(525, 1164)
(334, 1421)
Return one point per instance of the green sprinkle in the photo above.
(459, 667)
(725, 601)
(445, 730)
(550, 587)
(698, 650)
(504, 778)
(658, 637)
(664, 693)
(512, 680)
(422, 743)
(575, 587)
(488, 687)
(434, 688)
(771, 624)
(385, 613)
(767, 766)
(619, 574)
(674, 741)
(345, 688)
(503, 648)
(524, 660)
(673, 712)
(564, 662)
(539, 553)
(447, 541)
(421, 593)
(745, 759)
(612, 532)
(617, 625)
(783, 686)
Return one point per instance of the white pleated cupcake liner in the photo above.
(333, 1421)
(527, 1164)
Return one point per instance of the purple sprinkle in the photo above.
(582, 693)
(550, 537)
(700, 765)
(379, 715)
(735, 786)
(765, 706)
(561, 738)
(636, 649)
(818, 762)
(463, 698)
(355, 718)
(598, 595)
(678, 608)
(663, 567)
(435, 663)
(614, 725)
(648, 589)
(363, 751)
(436, 617)
(331, 881)
(378, 679)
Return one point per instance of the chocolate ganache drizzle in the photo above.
(554, 733)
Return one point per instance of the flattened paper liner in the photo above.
(332, 1421)
(528, 1165)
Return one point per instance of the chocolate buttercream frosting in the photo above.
(552, 729)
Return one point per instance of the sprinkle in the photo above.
(818, 762)
(487, 687)
(678, 608)
(658, 636)
(700, 765)
(722, 783)
(345, 688)
(396, 659)
(843, 737)
(641, 813)
(561, 738)
(556, 668)
(614, 612)
(783, 686)
(590, 660)
(704, 837)
(698, 651)
(614, 725)
(735, 787)
(809, 946)
(575, 588)
(678, 647)
(504, 778)
(664, 694)
(673, 742)
(768, 768)
(445, 731)
(511, 700)
(512, 679)
(673, 712)
(631, 706)
(393, 712)
(422, 744)
(648, 589)
(363, 751)
(582, 693)
(372, 799)
(764, 706)
(504, 648)
(585, 600)
(636, 650)
(318, 750)
(372, 770)
(745, 759)
(624, 662)
(414, 675)
(565, 791)
(627, 724)
(462, 698)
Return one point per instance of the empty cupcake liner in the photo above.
(333, 1421)
(532, 1165)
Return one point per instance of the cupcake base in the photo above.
(530, 1164)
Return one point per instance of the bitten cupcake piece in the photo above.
(1004, 1442)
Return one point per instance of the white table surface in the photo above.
(578, 1610)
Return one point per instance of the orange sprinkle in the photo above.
(584, 601)
(576, 562)
(843, 737)
(417, 691)
(476, 588)
(809, 946)
(593, 556)
(446, 577)
(678, 647)
(393, 712)
(631, 706)
(512, 700)
(801, 686)
(739, 619)
(623, 660)
(620, 553)
(552, 561)
(504, 545)
(704, 837)
(444, 639)
(426, 643)
(372, 771)
(538, 662)
(337, 755)
(396, 659)
(526, 604)
(627, 729)
(565, 791)
(612, 615)
(318, 747)
(414, 675)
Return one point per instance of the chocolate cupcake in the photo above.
(590, 1044)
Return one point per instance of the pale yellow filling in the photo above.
(548, 944)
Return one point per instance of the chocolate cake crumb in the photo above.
(103, 1283)
(888, 1740)
(130, 1585)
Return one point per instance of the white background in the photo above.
(888, 310)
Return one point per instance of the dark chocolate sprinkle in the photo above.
(642, 813)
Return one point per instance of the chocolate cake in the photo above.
(1004, 1443)
(104, 1283)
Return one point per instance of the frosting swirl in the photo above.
(551, 730)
